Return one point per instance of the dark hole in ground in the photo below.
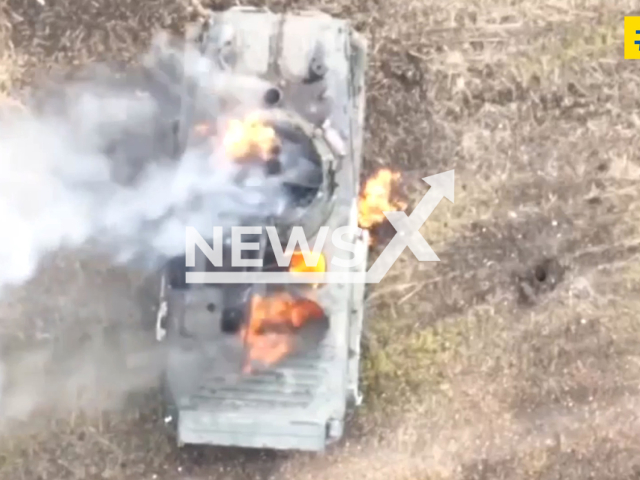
(540, 273)
(543, 278)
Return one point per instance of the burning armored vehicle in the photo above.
(274, 365)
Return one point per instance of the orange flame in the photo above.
(299, 265)
(268, 336)
(376, 199)
(250, 137)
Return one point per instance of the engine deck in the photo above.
(287, 406)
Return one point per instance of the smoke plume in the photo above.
(103, 159)
(100, 159)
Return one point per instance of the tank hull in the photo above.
(317, 64)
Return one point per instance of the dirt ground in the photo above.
(517, 356)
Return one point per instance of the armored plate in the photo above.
(313, 65)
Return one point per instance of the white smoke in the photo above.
(84, 164)
(57, 184)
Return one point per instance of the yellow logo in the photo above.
(632, 38)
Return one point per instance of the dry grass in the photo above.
(475, 369)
